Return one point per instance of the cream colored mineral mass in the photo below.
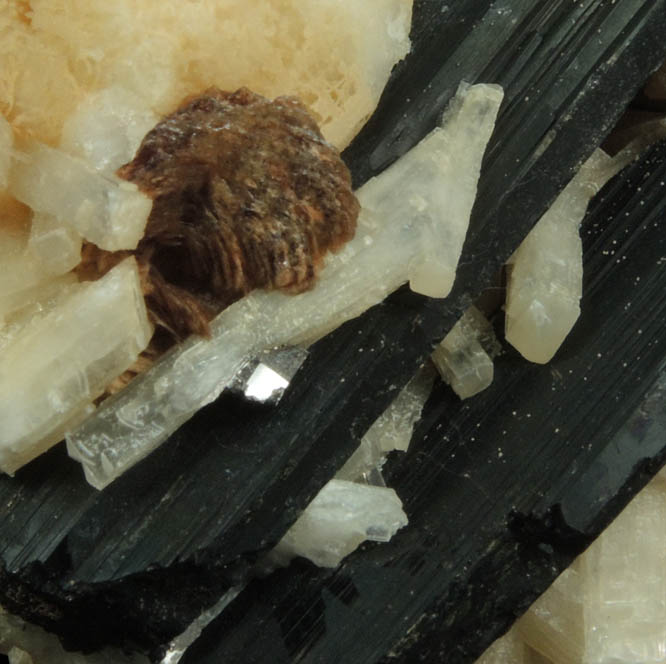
(336, 56)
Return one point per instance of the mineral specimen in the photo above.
(389, 239)
(546, 272)
(246, 194)
(464, 358)
(62, 356)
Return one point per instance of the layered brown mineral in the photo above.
(246, 194)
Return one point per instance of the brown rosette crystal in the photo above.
(246, 194)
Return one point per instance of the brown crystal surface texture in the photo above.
(246, 194)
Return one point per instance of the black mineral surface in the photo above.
(487, 533)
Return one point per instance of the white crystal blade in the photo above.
(389, 239)
(63, 359)
(545, 278)
(339, 518)
(20, 308)
(442, 172)
(29, 260)
(106, 210)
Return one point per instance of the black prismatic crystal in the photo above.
(502, 491)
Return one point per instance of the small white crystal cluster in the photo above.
(102, 208)
(62, 342)
(610, 605)
(402, 227)
(58, 357)
(24, 643)
(465, 356)
(352, 508)
(545, 274)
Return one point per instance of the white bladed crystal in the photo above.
(32, 261)
(465, 356)
(104, 209)
(389, 238)
(435, 185)
(545, 279)
(107, 128)
(63, 359)
(19, 309)
(6, 143)
(339, 518)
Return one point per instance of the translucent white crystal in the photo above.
(392, 430)
(442, 172)
(107, 128)
(32, 261)
(19, 269)
(57, 248)
(29, 644)
(64, 357)
(19, 308)
(6, 143)
(611, 606)
(545, 277)
(464, 357)
(554, 624)
(389, 238)
(340, 517)
(104, 209)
